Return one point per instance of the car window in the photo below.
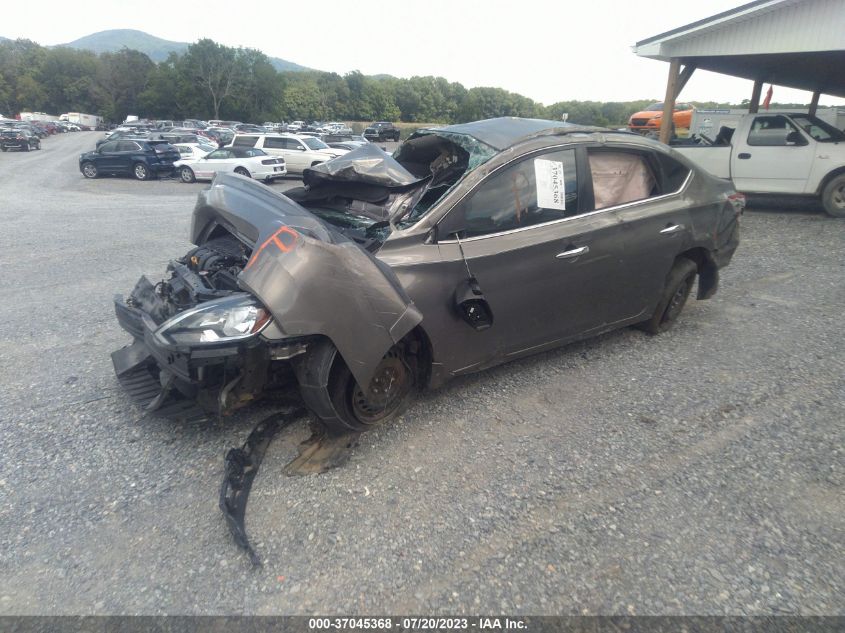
(245, 141)
(127, 146)
(674, 173)
(184, 150)
(111, 146)
(539, 189)
(315, 143)
(770, 131)
(219, 153)
(292, 143)
(273, 142)
(251, 152)
(818, 129)
(620, 177)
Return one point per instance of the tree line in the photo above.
(213, 81)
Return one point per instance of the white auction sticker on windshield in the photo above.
(551, 188)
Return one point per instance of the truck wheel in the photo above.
(833, 197)
(679, 282)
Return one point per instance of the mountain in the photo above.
(155, 48)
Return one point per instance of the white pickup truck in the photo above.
(787, 153)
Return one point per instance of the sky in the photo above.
(549, 51)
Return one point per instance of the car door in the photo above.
(543, 257)
(641, 189)
(218, 160)
(108, 157)
(126, 155)
(295, 155)
(775, 157)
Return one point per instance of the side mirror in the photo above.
(795, 138)
(472, 306)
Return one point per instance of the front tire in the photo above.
(186, 174)
(141, 171)
(679, 283)
(390, 392)
(833, 197)
(89, 170)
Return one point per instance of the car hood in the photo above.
(313, 279)
(368, 164)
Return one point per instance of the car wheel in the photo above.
(679, 283)
(242, 171)
(186, 174)
(141, 171)
(391, 390)
(833, 197)
(396, 137)
(26, 147)
(89, 170)
(38, 145)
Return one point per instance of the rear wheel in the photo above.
(679, 283)
(242, 171)
(833, 197)
(186, 174)
(141, 171)
(89, 170)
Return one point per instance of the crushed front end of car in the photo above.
(267, 284)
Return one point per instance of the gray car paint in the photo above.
(328, 285)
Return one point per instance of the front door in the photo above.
(774, 158)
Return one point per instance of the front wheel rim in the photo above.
(89, 170)
(140, 172)
(388, 389)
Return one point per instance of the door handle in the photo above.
(674, 228)
(743, 156)
(575, 252)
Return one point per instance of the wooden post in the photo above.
(669, 101)
(814, 104)
(754, 105)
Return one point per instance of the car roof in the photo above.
(504, 132)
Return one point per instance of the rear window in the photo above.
(245, 141)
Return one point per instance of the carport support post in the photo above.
(814, 104)
(754, 104)
(669, 101)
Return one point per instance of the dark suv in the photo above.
(19, 138)
(140, 158)
(382, 131)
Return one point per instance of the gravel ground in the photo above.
(699, 472)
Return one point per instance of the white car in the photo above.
(194, 151)
(246, 161)
(295, 126)
(299, 152)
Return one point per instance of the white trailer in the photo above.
(86, 120)
(38, 116)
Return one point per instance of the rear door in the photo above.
(774, 157)
(126, 155)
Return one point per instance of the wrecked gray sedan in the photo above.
(472, 245)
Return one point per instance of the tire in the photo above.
(186, 174)
(392, 389)
(89, 170)
(833, 197)
(38, 145)
(141, 171)
(26, 147)
(242, 171)
(396, 137)
(679, 283)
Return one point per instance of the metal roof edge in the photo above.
(709, 21)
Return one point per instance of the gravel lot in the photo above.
(699, 472)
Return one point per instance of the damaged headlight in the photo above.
(230, 319)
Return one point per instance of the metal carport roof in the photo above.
(793, 43)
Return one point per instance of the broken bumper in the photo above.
(167, 379)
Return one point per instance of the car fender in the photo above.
(312, 279)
